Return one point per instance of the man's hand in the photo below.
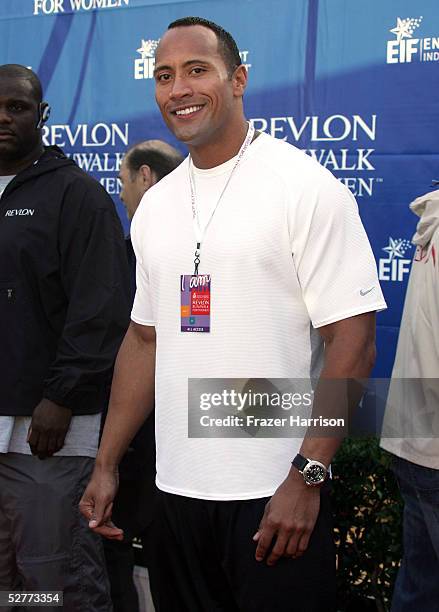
(49, 426)
(97, 503)
(289, 517)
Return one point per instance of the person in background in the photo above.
(143, 166)
(268, 234)
(135, 505)
(64, 309)
(411, 425)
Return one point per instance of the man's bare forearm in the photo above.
(132, 394)
(349, 358)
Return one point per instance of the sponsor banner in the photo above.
(408, 47)
(334, 141)
(395, 267)
(51, 7)
(145, 64)
(23, 8)
(359, 98)
(98, 149)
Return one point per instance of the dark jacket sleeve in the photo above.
(95, 278)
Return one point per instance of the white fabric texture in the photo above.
(412, 415)
(4, 182)
(6, 427)
(81, 440)
(285, 248)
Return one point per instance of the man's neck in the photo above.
(221, 150)
(9, 167)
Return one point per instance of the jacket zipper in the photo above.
(10, 293)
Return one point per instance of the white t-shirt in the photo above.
(287, 253)
(81, 440)
(4, 182)
(83, 435)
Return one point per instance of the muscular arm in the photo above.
(131, 401)
(349, 356)
(291, 513)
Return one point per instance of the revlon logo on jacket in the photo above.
(19, 212)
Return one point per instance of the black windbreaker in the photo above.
(64, 288)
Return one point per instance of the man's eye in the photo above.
(161, 78)
(15, 107)
(198, 70)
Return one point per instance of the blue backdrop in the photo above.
(354, 84)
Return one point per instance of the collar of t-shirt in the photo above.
(4, 182)
(209, 182)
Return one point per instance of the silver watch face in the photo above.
(314, 473)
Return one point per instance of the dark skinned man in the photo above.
(271, 234)
(63, 312)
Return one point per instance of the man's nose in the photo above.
(5, 117)
(180, 88)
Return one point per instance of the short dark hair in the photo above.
(158, 155)
(17, 71)
(226, 43)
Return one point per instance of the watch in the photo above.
(314, 472)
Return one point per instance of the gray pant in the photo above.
(45, 544)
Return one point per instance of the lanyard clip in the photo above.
(197, 258)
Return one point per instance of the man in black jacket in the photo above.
(64, 308)
(136, 503)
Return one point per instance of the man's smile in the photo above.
(187, 111)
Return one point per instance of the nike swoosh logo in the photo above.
(363, 293)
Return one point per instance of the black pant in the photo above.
(119, 556)
(120, 561)
(134, 510)
(207, 561)
(45, 542)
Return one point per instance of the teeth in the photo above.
(188, 111)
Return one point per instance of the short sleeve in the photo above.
(331, 252)
(142, 308)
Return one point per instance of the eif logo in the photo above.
(395, 266)
(406, 49)
(144, 65)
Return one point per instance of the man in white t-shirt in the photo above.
(287, 289)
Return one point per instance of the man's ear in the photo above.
(239, 80)
(146, 175)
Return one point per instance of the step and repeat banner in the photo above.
(353, 84)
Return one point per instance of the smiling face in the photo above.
(19, 138)
(200, 102)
